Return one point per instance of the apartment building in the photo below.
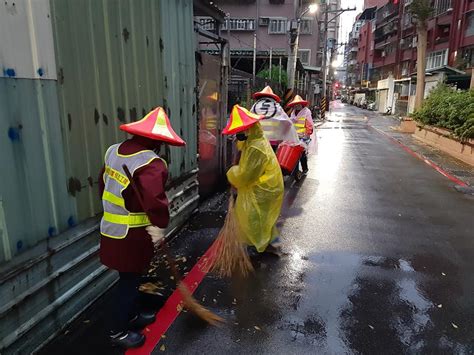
(265, 25)
(269, 22)
(386, 49)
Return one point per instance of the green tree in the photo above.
(265, 74)
(421, 10)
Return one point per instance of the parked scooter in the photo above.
(316, 113)
(388, 112)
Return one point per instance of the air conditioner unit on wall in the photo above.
(263, 21)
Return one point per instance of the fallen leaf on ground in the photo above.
(163, 347)
(440, 306)
(179, 307)
(66, 332)
(87, 321)
(454, 326)
(214, 300)
(163, 336)
(443, 274)
(172, 277)
(237, 340)
(257, 327)
(371, 327)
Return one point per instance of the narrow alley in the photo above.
(377, 249)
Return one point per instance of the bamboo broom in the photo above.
(188, 300)
(232, 256)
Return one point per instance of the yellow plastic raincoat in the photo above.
(259, 183)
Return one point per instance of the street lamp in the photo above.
(313, 8)
(294, 39)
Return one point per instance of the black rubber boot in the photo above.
(142, 320)
(127, 340)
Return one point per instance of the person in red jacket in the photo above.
(128, 233)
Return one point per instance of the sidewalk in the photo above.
(88, 334)
(457, 168)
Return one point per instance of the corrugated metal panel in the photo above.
(179, 45)
(26, 40)
(33, 193)
(116, 61)
(34, 200)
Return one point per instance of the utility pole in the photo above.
(294, 39)
(270, 70)
(254, 56)
(337, 12)
(324, 103)
(279, 70)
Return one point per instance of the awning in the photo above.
(208, 8)
(312, 69)
(444, 69)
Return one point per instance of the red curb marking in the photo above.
(173, 306)
(421, 157)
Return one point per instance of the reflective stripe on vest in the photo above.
(117, 219)
(271, 129)
(300, 125)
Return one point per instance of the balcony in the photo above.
(408, 54)
(386, 13)
(383, 43)
(440, 40)
(442, 7)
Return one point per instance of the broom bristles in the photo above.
(232, 256)
(193, 306)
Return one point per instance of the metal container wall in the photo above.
(34, 203)
(117, 61)
(72, 72)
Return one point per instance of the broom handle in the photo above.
(171, 262)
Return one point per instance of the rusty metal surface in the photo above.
(117, 61)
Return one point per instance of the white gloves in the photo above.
(156, 234)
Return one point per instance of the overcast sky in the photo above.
(347, 19)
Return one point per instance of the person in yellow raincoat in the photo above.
(258, 180)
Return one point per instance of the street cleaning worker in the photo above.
(303, 122)
(277, 126)
(128, 234)
(257, 179)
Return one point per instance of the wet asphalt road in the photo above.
(379, 259)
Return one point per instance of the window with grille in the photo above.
(442, 6)
(407, 19)
(405, 68)
(305, 56)
(306, 26)
(468, 56)
(206, 23)
(239, 24)
(277, 26)
(437, 59)
(470, 24)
